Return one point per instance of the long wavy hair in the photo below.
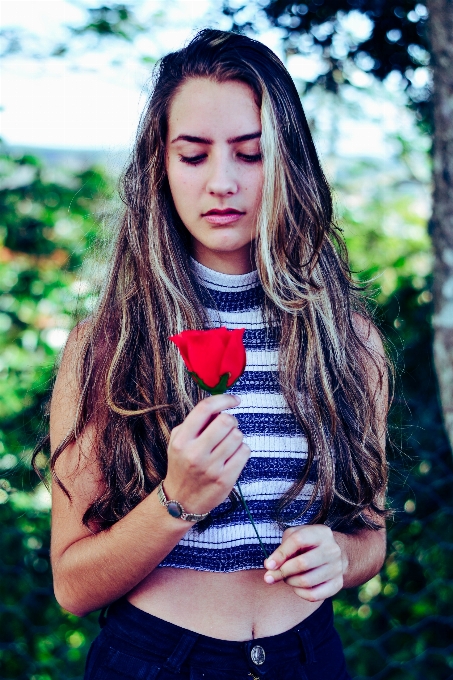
(132, 380)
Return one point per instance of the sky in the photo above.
(84, 102)
(81, 101)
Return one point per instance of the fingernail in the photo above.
(271, 564)
(269, 579)
(238, 399)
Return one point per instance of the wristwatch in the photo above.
(175, 509)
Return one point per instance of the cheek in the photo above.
(183, 184)
(178, 185)
(255, 186)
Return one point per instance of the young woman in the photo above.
(227, 221)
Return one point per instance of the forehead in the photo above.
(219, 110)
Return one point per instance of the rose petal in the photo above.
(234, 359)
(181, 341)
(213, 352)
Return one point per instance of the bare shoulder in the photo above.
(66, 392)
(369, 334)
(375, 362)
(74, 346)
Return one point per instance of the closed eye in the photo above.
(192, 160)
(250, 159)
(195, 160)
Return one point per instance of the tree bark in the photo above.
(441, 37)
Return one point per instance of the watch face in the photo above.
(174, 509)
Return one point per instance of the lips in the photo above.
(225, 211)
(222, 217)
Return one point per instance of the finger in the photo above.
(314, 577)
(288, 531)
(200, 416)
(233, 466)
(308, 560)
(227, 446)
(311, 559)
(222, 436)
(304, 538)
(321, 592)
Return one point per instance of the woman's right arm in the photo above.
(204, 461)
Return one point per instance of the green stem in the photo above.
(220, 388)
(251, 519)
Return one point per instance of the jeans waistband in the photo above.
(149, 632)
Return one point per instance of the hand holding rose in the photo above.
(216, 359)
(310, 560)
(206, 453)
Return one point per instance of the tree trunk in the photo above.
(441, 37)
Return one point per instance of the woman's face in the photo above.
(215, 170)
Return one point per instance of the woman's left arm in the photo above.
(316, 561)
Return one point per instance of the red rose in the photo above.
(215, 358)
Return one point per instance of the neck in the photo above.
(222, 281)
(226, 263)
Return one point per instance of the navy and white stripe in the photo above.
(276, 440)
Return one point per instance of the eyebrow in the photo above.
(203, 140)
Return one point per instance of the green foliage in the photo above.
(46, 224)
(399, 626)
(380, 37)
(384, 213)
(113, 21)
(39, 640)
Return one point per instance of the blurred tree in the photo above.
(47, 223)
(115, 21)
(375, 36)
(441, 34)
(399, 626)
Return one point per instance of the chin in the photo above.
(228, 249)
(227, 244)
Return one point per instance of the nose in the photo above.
(221, 179)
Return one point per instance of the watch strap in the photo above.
(175, 509)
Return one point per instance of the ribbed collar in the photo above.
(233, 283)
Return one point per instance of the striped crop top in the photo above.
(278, 445)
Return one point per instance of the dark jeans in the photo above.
(134, 644)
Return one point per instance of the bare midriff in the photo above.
(236, 605)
